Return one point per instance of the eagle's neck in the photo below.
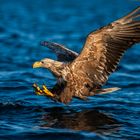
(56, 68)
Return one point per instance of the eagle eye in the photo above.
(42, 62)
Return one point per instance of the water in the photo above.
(23, 115)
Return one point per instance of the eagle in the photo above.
(83, 74)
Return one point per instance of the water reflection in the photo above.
(87, 120)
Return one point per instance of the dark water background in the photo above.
(23, 115)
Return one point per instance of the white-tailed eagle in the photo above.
(84, 74)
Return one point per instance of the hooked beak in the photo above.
(37, 64)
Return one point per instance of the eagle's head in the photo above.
(54, 66)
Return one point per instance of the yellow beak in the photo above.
(37, 64)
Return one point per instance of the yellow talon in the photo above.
(38, 91)
(46, 91)
(36, 87)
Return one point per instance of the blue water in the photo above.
(26, 116)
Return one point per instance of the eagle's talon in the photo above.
(38, 91)
(43, 91)
(47, 92)
(36, 87)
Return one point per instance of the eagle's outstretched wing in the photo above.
(104, 48)
(63, 54)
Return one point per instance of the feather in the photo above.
(110, 43)
(63, 53)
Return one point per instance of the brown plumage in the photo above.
(82, 75)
